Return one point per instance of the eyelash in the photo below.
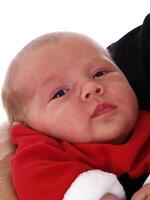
(100, 72)
(58, 93)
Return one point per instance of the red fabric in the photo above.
(44, 168)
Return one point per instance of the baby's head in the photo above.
(67, 86)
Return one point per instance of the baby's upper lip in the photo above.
(102, 109)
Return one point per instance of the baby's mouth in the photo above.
(103, 109)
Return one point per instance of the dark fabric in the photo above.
(132, 54)
(131, 185)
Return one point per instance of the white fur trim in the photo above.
(93, 185)
(147, 180)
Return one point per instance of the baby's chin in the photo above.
(120, 140)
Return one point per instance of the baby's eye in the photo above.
(60, 93)
(99, 73)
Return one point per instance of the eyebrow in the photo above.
(100, 59)
(52, 78)
(49, 81)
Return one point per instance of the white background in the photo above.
(104, 20)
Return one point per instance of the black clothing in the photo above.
(132, 54)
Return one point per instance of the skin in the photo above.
(71, 79)
(76, 93)
(109, 196)
(143, 193)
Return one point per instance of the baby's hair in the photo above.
(14, 97)
(12, 104)
(49, 38)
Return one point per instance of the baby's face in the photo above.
(78, 93)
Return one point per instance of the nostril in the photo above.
(98, 90)
(91, 90)
(87, 95)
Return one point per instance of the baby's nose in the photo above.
(91, 90)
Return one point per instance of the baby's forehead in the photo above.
(52, 41)
(56, 42)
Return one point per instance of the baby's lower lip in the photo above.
(103, 109)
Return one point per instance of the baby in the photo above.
(74, 114)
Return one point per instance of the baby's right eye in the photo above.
(60, 93)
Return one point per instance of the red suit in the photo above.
(45, 168)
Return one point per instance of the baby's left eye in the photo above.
(99, 73)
